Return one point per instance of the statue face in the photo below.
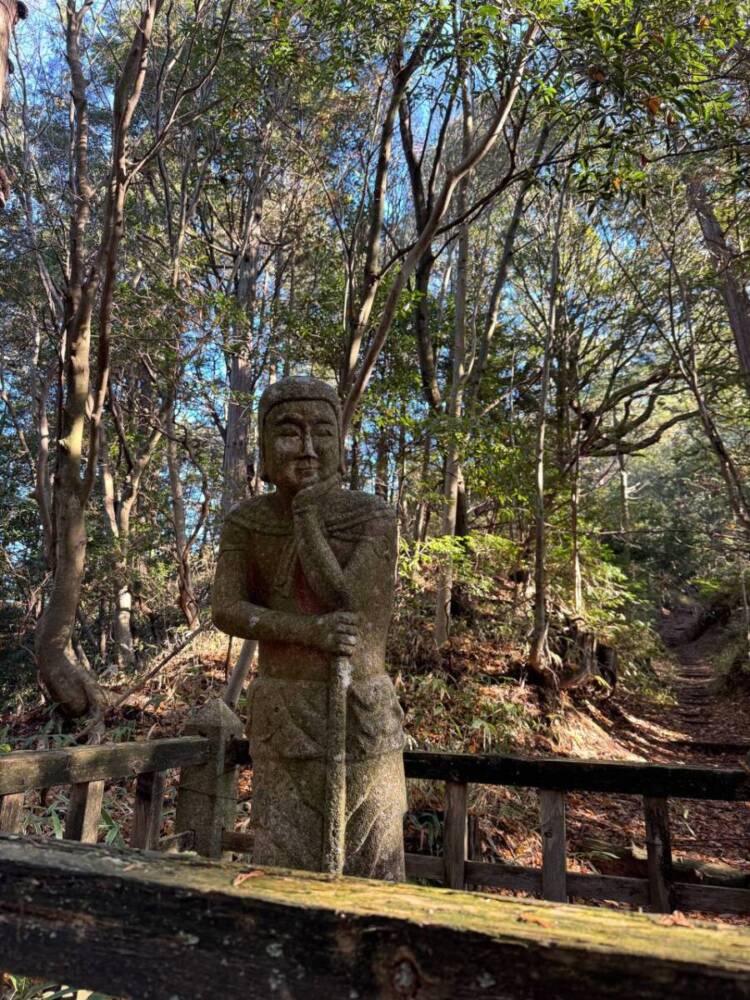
(301, 444)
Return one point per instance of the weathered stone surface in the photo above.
(309, 572)
(207, 795)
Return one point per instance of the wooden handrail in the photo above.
(564, 774)
(24, 770)
(156, 928)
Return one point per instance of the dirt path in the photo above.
(694, 724)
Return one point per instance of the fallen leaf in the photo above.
(675, 919)
(243, 876)
(532, 918)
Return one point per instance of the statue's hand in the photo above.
(337, 633)
(309, 497)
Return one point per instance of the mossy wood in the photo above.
(25, 770)
(154, 927)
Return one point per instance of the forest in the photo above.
(513, 237)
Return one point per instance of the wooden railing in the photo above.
(205, 794)
(209, 756)
(553, 777)
(159, 927)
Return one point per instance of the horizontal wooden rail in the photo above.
(566, 775)
(155, 928)
(619, 889)
(25, 770)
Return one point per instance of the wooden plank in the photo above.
(517, 878)
(424, 866)
(710, 899)
(659, 854)
(455, 833)
(11, 813)
(554, 864)
(522, 879)
(561, 774)
(23, 770)
(149, 800)
(84, 811)
(240, 843)
(97, 914)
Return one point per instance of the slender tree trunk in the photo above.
(539, 652)
(10, 13)
(575, 501)
(187, 599)
(454, 412)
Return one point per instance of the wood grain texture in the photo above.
(147, 810)
(84, 811)
(659, 854)
(11, 813)
(564, 775)
(24, 770)
(455, 833)
(156, 927)
(554, 854)
(619, 888)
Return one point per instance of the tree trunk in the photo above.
(539, 652)
(187, 599)
(726, 261)
(70, 685)
(454, 412)
(10, 13)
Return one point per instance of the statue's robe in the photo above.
(260, 568)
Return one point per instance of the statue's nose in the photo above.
(308, 448)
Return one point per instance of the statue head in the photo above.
(299, 424)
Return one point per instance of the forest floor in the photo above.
(695, 722)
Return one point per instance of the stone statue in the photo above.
(308, 571)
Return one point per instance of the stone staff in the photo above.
(334, 829)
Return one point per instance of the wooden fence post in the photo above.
(207, 793)
(149, 799)
(84, 811)
(552, 824)
(11, 813)
(659, 852)
(455, 834)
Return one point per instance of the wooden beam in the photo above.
(455, 833)
(618, 888)
(133, 924)
(11, 813)
(564, 775)
(149, 800)
(659, 854)
(240, 843)
(554, 854)
(24, 770)
(84, 811)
